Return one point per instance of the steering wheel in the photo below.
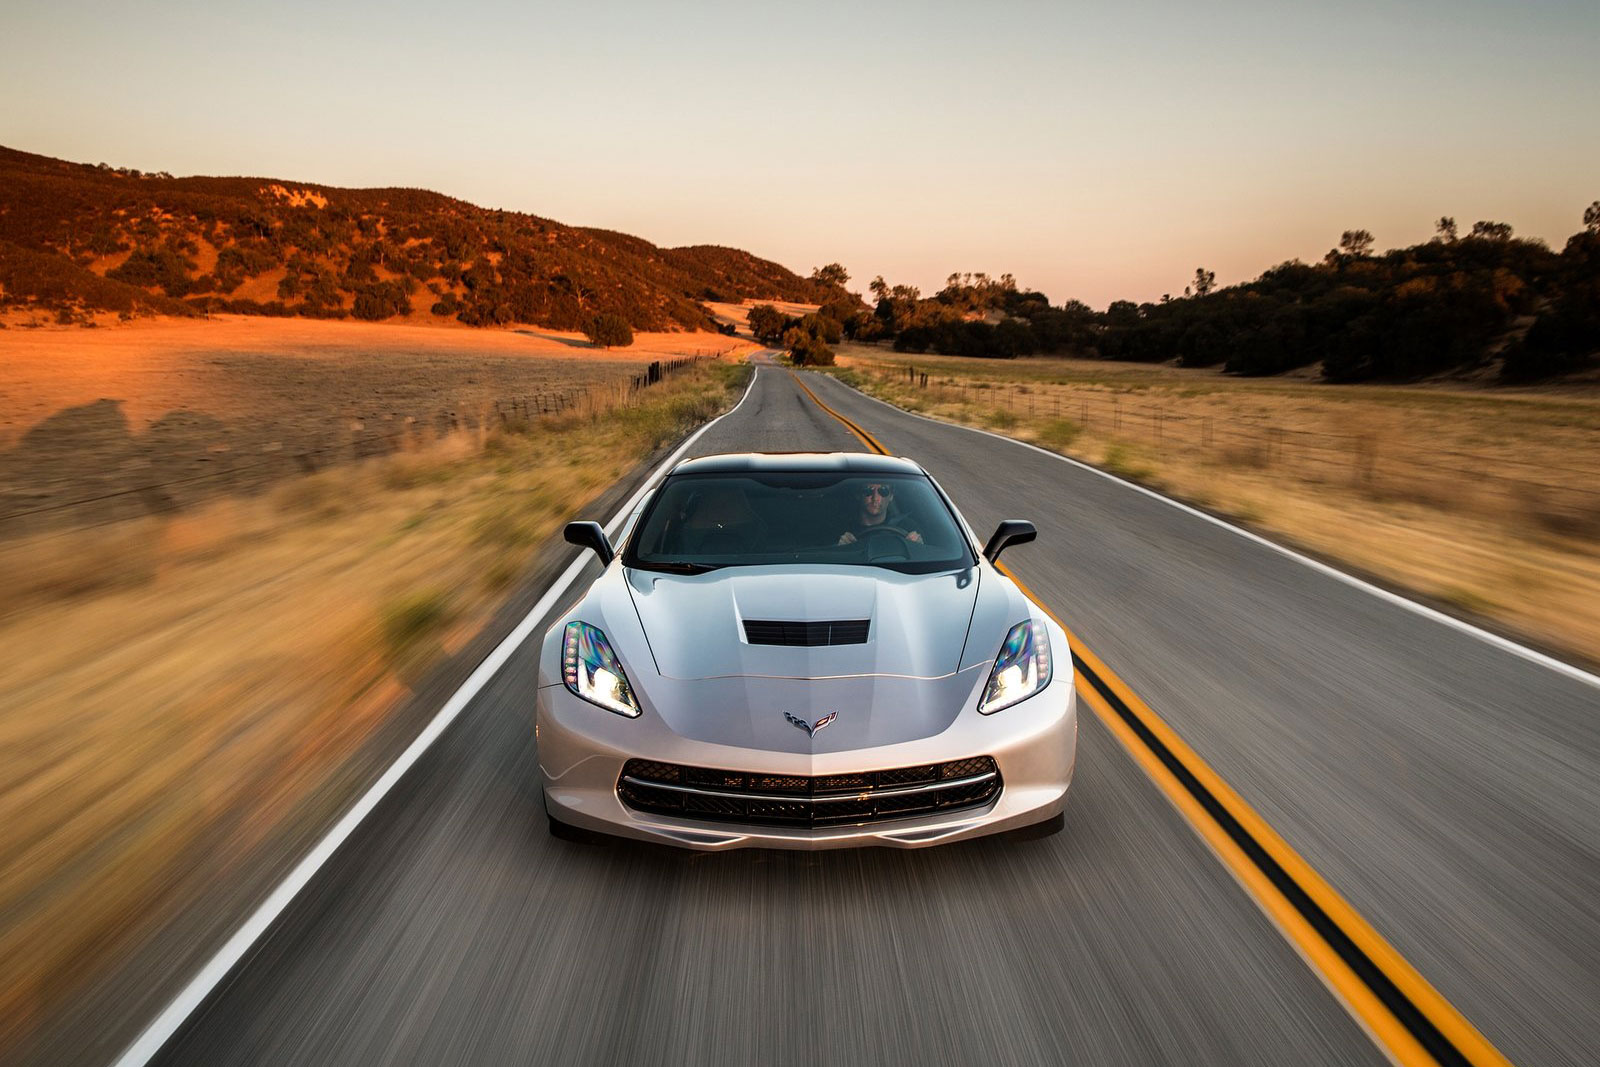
(901, 533)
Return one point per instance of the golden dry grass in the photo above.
(1485, 499)
(738, 315)
(244, 367)
(174, 689)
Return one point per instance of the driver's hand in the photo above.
(914, 536)
(848, 538)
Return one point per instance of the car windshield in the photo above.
(699, 522)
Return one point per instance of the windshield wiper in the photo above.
(677, 566)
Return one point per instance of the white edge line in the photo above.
(1505, 644)
(178, 1010)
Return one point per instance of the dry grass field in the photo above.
(153, 416)
(179, 685)
(1486, 500)
(739, 314)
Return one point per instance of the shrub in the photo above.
(155, 267)
(1123, 461)
(380, 300)
(1566, 338)
(767, 323)
(828, 329)
(810, 351)
(1059, 434)
(50, 280)
(408, 619)
(609, 331)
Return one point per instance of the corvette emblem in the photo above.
(811, 728)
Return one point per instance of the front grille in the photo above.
(806, 634)
(800, 801)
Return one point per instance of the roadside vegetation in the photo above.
(809, 335)
(609, 331)
(179, 690)
(1485, 500)
(1482, 303)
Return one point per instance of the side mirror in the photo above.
(590, 535)
(1009, 532)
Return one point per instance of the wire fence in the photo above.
(364, 438)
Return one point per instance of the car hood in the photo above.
(695, 624)
(932, 639)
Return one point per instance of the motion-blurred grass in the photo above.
(174, 691)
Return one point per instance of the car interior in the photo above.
(728, 519)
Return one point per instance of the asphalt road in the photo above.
(1446, 788)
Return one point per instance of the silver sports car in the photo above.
(803, 651)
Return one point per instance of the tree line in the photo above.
(1446, 304)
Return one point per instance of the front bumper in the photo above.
(582, 750)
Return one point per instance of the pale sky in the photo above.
(1096, 151)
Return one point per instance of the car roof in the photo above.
(843, 462)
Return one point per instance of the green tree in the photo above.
(823, 326)
(380, 300)
(767, 323)
(156, 267)
(1492, 231)
(812, 351)
(1204, 281)
(609, 331)
(1445, 228)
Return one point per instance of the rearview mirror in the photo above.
(1009, 532)
(590, 535)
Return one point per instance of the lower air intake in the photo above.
(798, 801)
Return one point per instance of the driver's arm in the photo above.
(848, 538)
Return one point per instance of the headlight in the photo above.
(591, 670)
(1020, 670)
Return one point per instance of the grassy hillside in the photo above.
(77, 239)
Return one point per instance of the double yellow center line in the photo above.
(1405, 1015)
(854, 427)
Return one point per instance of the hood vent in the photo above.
(806, 634)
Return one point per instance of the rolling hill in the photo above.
(79, 239)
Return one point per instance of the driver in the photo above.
(876, 500)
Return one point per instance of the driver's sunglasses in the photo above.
(877, 490)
